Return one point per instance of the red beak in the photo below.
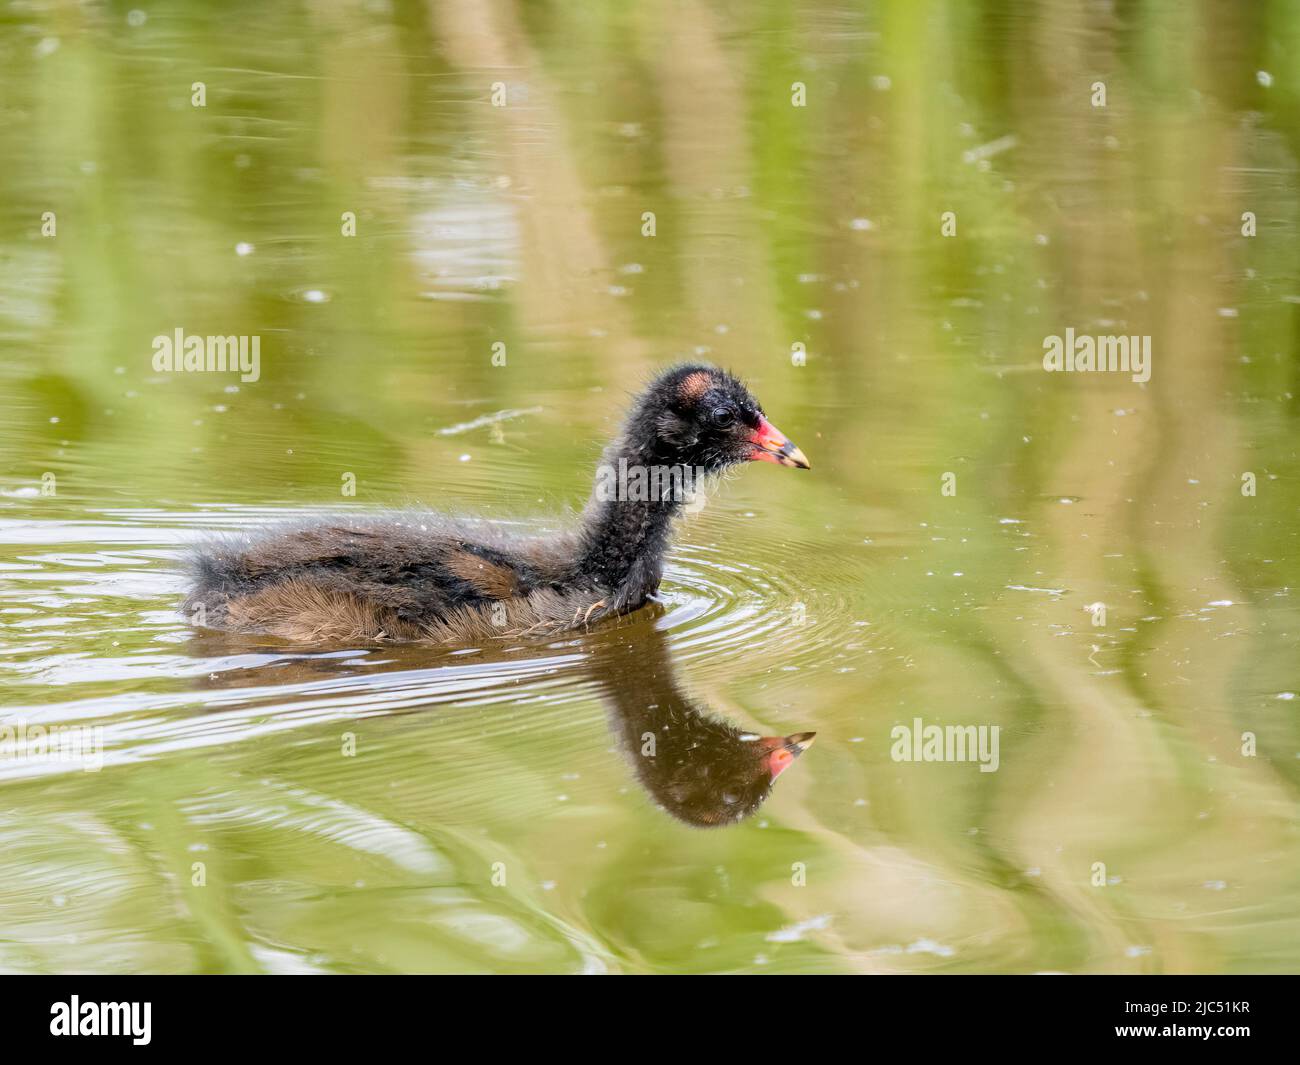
(785, 749)
(772, 445)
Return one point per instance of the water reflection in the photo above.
(695, 765)
(699, 768)
(1162, 743)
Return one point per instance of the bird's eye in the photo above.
(723, 416)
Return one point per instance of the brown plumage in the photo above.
(426, 577)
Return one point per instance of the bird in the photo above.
(697, 767)
(416, 576)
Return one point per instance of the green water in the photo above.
(264, 808)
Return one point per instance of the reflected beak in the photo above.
(800, 742)
(785, 749)
(771, 445)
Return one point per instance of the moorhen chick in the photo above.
(702, 770)
(429, 577)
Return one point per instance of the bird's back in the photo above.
(408, 576)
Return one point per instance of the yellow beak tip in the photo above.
(797, 459)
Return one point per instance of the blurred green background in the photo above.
(774, 226)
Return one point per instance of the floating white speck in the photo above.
(992, 148)
(244, 248)
(487, 419)
(1215, 885)
(862, 224)
(929, 946)
(793, 933)
(315, 295)
(1264, 78)
(1285, 695)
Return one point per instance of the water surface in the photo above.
(265, 808)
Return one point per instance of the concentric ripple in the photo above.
(95, 638)
(719, 607)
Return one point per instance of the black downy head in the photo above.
(704, 418)
(689, 423)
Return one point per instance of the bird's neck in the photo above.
(627, 524)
